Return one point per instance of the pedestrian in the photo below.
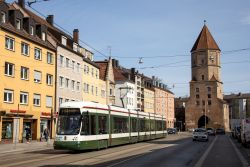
(27, 130)
(46, 134)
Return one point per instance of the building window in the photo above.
(24, 98)
(49, 101)
(60, 100)
(85, 69)
(61, 60)
(78, 67)
(49, 58)
(24, 49)
(31, 30)
(37, 76)
(78, 86)
(92, 90)
(64, 40)
(96, 74)
(208, 95)
(9, 69)
(24, 73)
(209, 102)
(38, 54)
(92, 72)
(73, 85)
(197, 89)
(18, 24)
(43, 36)
(87, 88)
(8, 96)
(96, 91)
(3, 17)
(66, 100)
(197, 103)
(110, 92)
(37, 100)
(67, 62)
(73, 65)
(49, 79)
(197, 96)
(9, 43)
(209, 89)
(61, 81)
(103, 93)
(67, 82)
(202, 77)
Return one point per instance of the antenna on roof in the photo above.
(205, 22)
(30, 2)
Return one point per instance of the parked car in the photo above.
(211, 131)
(245, 132)
(220, 131)
(171, 130)
(200, 134)
(236, 132)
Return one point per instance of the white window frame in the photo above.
(78, 67)
(49, 58)
(37, 79)
(61, 81)
(78, 86)
(10, 69)
(49, 79)
(31, 30)
(24, 73)
(18, 24)
(24, 98)
(64, 40)
(75, 47)
(43, 36)
(25, 49)
(67, 82)
(73, 84)
(7, 93)
(3, 17)
(60, 101)
(37, 101)
(61, 60)
(49, 101)
(73, 65)
(38, 54)
(9, 43)
(67, 62)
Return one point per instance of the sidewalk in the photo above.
(26, 147)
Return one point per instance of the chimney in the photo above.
(21, 3)
(76, 36)
(113, 63)
(50, 19)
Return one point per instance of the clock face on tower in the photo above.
(211, 58)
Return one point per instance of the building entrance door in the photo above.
(204, 120)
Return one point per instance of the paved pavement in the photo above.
(25, 147)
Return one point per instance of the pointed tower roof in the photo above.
(205, 40)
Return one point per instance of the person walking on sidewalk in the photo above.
(27, 130)
(46, 134)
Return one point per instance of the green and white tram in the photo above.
(88, 125)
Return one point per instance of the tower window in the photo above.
(209, 89)
(197, 89)
(209, 102)
(202, 61)
(197, 96)
(208, 95)
(197, 103)
(202, 77)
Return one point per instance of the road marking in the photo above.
(202, 159)
(242, 159)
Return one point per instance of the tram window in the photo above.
(85, 125)
(93, 125)
(164, 125)
(159, 125)
(102, 124)
(147, 125)
(133, 125)
(120, 125)
(142, 125)
(152, 125)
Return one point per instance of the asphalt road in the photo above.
(173, 151)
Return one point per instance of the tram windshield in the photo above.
(69, 121)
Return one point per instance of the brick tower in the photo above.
(205, 107)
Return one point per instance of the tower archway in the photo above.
(202, 121)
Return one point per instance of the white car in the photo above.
(200, 134)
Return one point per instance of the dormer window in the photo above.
(31, 30)
(18, 24)
(64, 40)
(43, 36)
(3, 17)
(75, 47)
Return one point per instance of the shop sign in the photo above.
(17, 111)
(45, 114)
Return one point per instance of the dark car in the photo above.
(211, 131)
(171, 130)
(220, 131)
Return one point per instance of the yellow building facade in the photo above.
(27, 88)
(149, 100)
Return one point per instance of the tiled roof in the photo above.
(119, 74)
(205, 41)
(103, 65)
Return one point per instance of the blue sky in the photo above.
(148, 28)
